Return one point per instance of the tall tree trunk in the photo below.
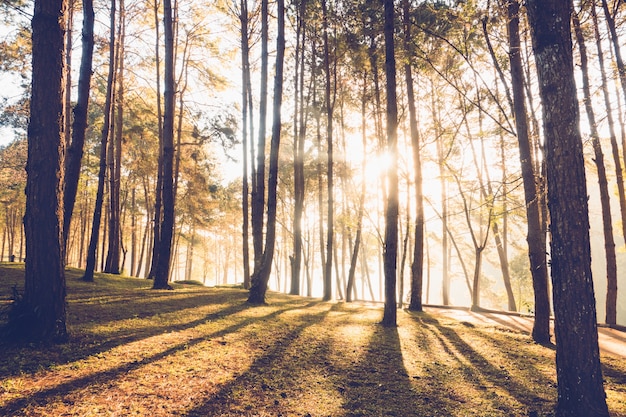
(158, 195)
(329, 160)
(579, 375)
(298, 151)
(258, 189)
(112, 264)
(162, 272)
(44, 295)
(535, 237)
(391, 213)
(619, 176)
(79, 127)
(104, 138)
(417, 267)
(261, 277)
(607, 223)
(245, 190)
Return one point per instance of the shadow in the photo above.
(269, 380)
(84, 344)
(102, 377)
(484, 375)
(379, 384)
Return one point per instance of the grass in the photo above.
(200, 351)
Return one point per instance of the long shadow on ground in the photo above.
(41, 397)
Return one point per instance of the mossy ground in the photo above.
(199, 351)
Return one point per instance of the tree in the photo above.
(162, 272)
(417, 267)
(535, 236)
(607, 223)
(44, 311)
(104, 138)
(391, 214)
(79, 125)
(114, 154)
(579, 376)
(261, 276)
(330, 158)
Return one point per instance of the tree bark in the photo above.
(258, 188)
(607, 223)
(329, 161)
(44, 294)
(112, 264)
(417, 267)
(391, 214)
(245, 189)
(104, 138)
(79, 126)
(261, 277)
(162, 272)
(535, 237)
(579, 376)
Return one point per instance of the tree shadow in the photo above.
(267, 380)
(102, 377)
(487, 377)
(379, 384)
(22, 359)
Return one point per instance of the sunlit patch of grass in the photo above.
(200, 351)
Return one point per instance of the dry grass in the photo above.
(202, 351)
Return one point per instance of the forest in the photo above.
(402, 153)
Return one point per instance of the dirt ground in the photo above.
(611, 341)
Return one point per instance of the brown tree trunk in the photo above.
(162, 272)
(329, 160)
(607, 223)
(44, 317)
(112, 264)
(535, 236)
(579, 376)
(106, 127)
(261, 277)
(245, 189)
(391, 214)
(75, 150)
(417, 267)
(158, 195)
(619, 176)
(298, 151)
(258, 188)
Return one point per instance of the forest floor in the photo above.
(199, 351)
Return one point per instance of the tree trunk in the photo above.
(619, 177)
(261, 277)
(245, 190)
(535, 236)
(158, 195)
(258, 189)
(162, 272)
(579, 376)
(106, 127)
(79, 127)
(329, 161)
(298, 151)
(607, 223)
(44, 317)
(112, 264)
(391, 214)
(417, 267)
